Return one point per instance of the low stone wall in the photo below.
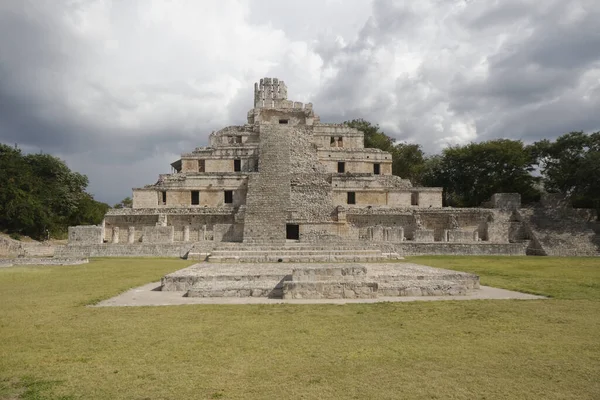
(455, 249)
(158, 234)
(178, 250)
(86, 234)
(10, 262)
(10, 247)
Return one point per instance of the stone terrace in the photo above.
(318, 280)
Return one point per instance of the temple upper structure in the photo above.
(285, 175)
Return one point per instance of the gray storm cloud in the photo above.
(119, 89)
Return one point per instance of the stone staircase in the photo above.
(269, 191)
(558, 232)
(293, 253)
(318, 280)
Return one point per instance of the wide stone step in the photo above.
(294, 252)
(422, 288)
(271, 289)
(312, 258)
(285, 247)
(330, 290)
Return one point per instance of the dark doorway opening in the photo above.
(228, 196)
(292, 232)
(341, 167)
(237, 165)
(195, 197)
(351, 198)
(376, 169)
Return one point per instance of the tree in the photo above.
(571, 165)
(470, 174)
(407, 159)
(374, 138)
(125, 203)
(40, 194)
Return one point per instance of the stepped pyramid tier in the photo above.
(286, 177)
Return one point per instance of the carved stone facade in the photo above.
(286, 176)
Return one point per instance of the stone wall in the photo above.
(12, 262)
(86, 234)
(158, 234)
(457, 249)
(178, 250)
(16, 248)
(559, 231)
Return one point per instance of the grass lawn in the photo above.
(54, 347)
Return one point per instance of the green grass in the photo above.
(54, 347)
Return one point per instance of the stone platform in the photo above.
(318, 280)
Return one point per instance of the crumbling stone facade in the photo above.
(285, 175)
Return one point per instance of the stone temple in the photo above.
(289, 207)
(287, 179)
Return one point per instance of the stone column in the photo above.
(387, 234)
(115, 234)
(131, 234)
(203, 233)
(162, 220)
(186, 233)
(341, 214)
(396, 234)
(378, 233)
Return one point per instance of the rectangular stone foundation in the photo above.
(329, 290)
(423, 235)
(330, 282)
(318, 281)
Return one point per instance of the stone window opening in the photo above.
(238, 139)
(163, 199)
(376, 169)
(351, 198)
(228, 196)
(283, 121)
(292, 232)
(332, 142)
(237, 165)
(340, 142)
(195, 197)
(414, 199)
(201, 165)
(341, 167)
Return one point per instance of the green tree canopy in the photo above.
(470, 174)
(127, 202)
(40, 194)
(571, 165)
(408, 159)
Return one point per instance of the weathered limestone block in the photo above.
(393, 234)
(158, 234)
(131, 234)
(331, 273)
(423, 235)
(341, 214)
(115, 235)
(85, 234)
(329, 290)
(377, 235)
(162, 220)
(460, 235)
(186, 233)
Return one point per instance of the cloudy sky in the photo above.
(120, 88)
